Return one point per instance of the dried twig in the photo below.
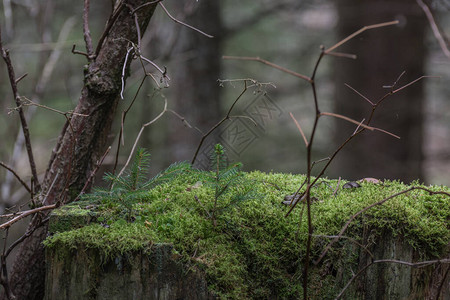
(139, 136)
(26, 213)
(23, 121)
(358, 123)
(434, 27)
(182, 23)
(17, 176)
(351, 36)
(227, 117)
(27, 102)
(299, 129)
(266, 62)
(86, 32)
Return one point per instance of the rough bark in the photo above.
(383, 54)
(81, 143)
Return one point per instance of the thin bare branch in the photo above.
(412, 82)
(139, 136)
(74, 51)
(358, 123)
(266, 62)
(362, 96)
(182, 23)
(27, 102)
(144, 5)
(357, 128)
(345, 55)
(26, 213)
(395, 83)
(17, 176)
(340, 43)
(227, 117)
(86, 32)
(112, 19)
(23, 121)
(299, 129)
(437, 34)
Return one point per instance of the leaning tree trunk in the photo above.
(81, 143)
(383, 54)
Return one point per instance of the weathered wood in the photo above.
(80, 274)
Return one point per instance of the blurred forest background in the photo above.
(40, 36)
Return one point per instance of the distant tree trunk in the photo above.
(383, 54)
(196, 95)
(80, 145)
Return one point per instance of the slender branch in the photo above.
(266, 62)
(25, 235)
(86, 32)
(362, 96)
(182, 23)
(27, 102)
(437, 34)
(412, 82)
(139, 136)
(112, 19)
(26, 213)
(23, 121)
(358, 123)
(17, 176)
(144, 5)
(299, 129)
(122, 122)
(340, 43)
(227, 117)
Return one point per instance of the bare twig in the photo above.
(437, 34)
(227, 117)
(412, 82)
(86, 32)
(112, 19)
(182, 23)
(351, 36)
(17, 176)
(299, 129)
(266, 62)
(358, 123)
(27, 102)
(144, 5)
(74, 51)
(139, 136)
(23, 121)
(26, 213)
(362, 96)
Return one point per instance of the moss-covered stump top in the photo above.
(246, 245)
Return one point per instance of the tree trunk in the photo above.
(197, 93)
(81, 143)
(383, 54)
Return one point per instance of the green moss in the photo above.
(255, 251)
